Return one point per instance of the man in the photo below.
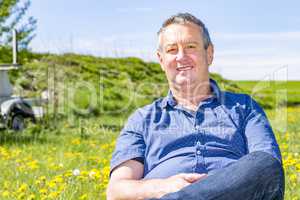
(198, 142)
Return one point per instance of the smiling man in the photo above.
(198, 142)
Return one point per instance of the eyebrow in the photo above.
(188, 42)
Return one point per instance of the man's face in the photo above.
(182, 55)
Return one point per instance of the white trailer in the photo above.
(13, 109)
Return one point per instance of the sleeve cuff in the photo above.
(124, 156)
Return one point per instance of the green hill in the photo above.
(119, 78)
(115, 86)
(87, 86)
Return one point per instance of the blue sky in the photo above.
(253, 39)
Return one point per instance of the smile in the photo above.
(185, 68)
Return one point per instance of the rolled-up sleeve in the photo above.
(130, 143)
(258, 131)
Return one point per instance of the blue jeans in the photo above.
(255, 176)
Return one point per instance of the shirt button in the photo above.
(198, 152)
(197, 127)
(198, 143)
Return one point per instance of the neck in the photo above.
(191, 96)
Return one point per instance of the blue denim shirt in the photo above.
(170, 139)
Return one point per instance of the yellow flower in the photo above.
(31, 197)
(5, 193)
(23, 187)
(105, 171)
(83, 197)
(33, 165)
(293, 178)
(60, 165)
(21, 196)
(6, 185)
(43, 178)
(53, 195)
(94, 173)
(84, 173)
(43, 191)
(38, 182)
(68, 174)
(51, 184)
(58, 179)
(298, 167)
(75, 141)
(61, 187)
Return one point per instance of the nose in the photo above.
(181, 55)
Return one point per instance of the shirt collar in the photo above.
(216, 92)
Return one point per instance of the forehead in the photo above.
(181, 33)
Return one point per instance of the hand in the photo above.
(179, 181)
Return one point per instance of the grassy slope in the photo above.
(87, 86)
(116, 86)
(120, 79)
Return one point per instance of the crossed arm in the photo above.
(126, 183)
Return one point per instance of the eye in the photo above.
(191, 46)
(171, 50)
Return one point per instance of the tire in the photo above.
(18, 123)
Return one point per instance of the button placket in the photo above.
(199, 157)
(198, 127)
(198, 148)
(198, 145)
(198, 142)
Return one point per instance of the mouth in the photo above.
(184, 68)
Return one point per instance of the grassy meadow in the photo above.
(66, 155)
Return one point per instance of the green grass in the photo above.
(44, 160)
(45, 163)
(274, 89)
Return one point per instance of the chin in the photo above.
(188, 78)
(182, 82)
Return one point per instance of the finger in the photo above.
(194, 177)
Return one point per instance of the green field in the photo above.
(66, 156)
(290, 89)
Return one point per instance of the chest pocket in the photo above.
(221, 128)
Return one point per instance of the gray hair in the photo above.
(184, 18)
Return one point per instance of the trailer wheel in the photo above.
(18, 122)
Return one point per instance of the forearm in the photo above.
(135, 189)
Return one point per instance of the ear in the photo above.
(210, 54)
(160, 59)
